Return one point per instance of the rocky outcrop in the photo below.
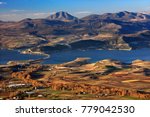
(76, 63)
(138, 40)
(110, 62)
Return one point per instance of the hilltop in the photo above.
(62, 16)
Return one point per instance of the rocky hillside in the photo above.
(123, 30)
(121, 16)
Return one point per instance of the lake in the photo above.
(14, 55)
(66, 56)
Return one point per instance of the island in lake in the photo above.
(64, 57)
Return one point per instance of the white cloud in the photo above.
(17, 10)
(83, 12)
(16, 16)
(2, 3)
(52, 13)
(40, 14)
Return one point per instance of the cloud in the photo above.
(2, 3)
(40, 14)
(16, 16)
(83, 12)
(51, 13)
(17, 10)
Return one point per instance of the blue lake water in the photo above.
(14, 55)
(66, 56)
(96, 55)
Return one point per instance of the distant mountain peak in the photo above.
(125, 12)
(126, 16)
(62, 16)
(25, 20)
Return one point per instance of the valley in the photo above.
(53, 62)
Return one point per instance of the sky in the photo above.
(14, 10)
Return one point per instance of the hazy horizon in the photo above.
(18, 10)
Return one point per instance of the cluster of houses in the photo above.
(20, 85)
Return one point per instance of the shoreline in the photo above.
(47, 56)
(29, 61)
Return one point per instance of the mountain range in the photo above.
(122, 30)
(121, 16)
